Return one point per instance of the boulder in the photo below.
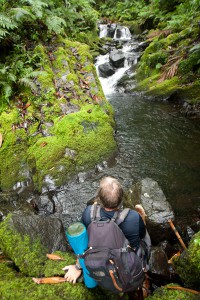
(117, 58)
(26, 238)
(158, 210)
(106, 70)
(188, 264)
(158, 264)
(111, 30)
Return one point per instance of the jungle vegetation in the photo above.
(25, 23)
(171, 62)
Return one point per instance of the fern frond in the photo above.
(36, 6)
(6, 22)
(6, 90)
(4, 70)
(55, 24)
(19, 13)
(28, 83)
(3, 33)
(36, 73)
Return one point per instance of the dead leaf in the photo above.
(55, 257)
(1, 140)
(27, 105)
(43, 144)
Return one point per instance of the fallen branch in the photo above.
(177, 234)
(49, 280)
(182, 289)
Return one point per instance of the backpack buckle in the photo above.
(125, 249)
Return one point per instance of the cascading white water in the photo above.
(123, 35)
(103, 30)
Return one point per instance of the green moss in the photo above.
(84, 132)
(43, 147)
(29, 256)
(54, 267)
(73, 77)
(190, 92)
(187, 67)
(155, 58)
(13, 150)
(188, 264)
(169, 294)
(165, 88)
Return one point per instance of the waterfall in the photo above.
(103, 30)
(122, 36)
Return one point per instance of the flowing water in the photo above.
(154, 140)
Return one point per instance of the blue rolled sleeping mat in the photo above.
(78, 239)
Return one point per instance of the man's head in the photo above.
(110, 192)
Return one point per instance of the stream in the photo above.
(154, 140)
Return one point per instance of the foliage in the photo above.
(167, 294)
(24, 23)
(188, 264)
(28, 255)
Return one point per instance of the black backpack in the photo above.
(109, 259)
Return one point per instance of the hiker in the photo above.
(109, 198)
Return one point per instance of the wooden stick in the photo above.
(182, 289)
(177, 234)
(50, 280)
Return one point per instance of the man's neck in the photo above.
(110, 209)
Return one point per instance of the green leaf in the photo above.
(158, 66)
(195, 48)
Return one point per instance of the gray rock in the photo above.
(106, 70)
(117, 58)
(158, 210)
(158, 263)
(49, 230)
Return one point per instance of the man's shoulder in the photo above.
(131, 218)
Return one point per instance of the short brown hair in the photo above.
(110, 192)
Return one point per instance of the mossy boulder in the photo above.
(27, 238)
(165, 293)
(170, 64)
(188, 264)
(28, 254)
(66, 112)
(14, 286)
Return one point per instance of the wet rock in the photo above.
(158, 210)
(106, 70)
(49, 230)
(117, 58)
(111, 30)
(168, 248)
(48, 184)
(10, 201)
(70, 153)
(158, 264)
(82, 176)
(45, 205)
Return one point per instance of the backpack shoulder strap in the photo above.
(95, 212)
(122, 216)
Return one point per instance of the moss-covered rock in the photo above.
(27, 238)
(29, 256)
(66, 111)
(14, 286)
(188, 264)
(170, 294)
